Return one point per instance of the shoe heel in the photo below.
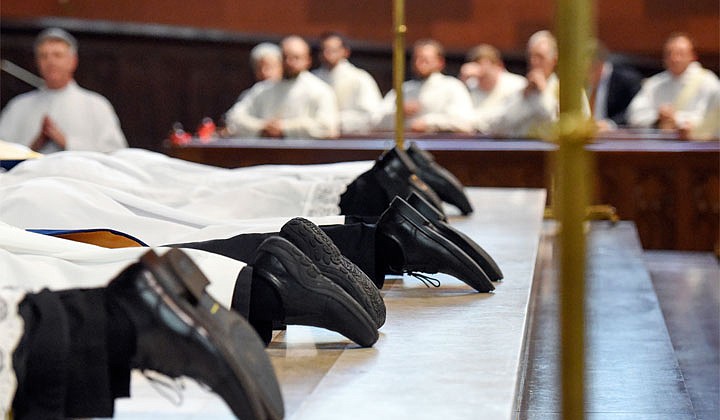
(188, 272)
(175, 264)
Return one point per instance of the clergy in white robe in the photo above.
(357, 92)
(532, 110)
(434, 102)
(491, 86)
(678, 97)
(61, 115)
(298, 106)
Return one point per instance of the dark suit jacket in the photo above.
(624, 83)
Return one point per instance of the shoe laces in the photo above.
(426, 280)
(169, 388)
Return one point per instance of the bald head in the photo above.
(296, 56)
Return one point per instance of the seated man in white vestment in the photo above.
(677, 98)
(60, 115)
(533, 108)
(357, 92)
(266, 64)
(298, 106)
(433, 102)
(491, 86)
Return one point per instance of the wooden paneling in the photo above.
(635, 27)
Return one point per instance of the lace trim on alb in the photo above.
(11, 330)
(324, 199)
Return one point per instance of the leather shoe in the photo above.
(182, 331)
(308, 297)
(392, 175)
(474, 251)
(425, 249)
(442, 181)
(395, 166)
(314, 243)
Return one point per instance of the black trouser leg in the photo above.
(364, 196)
(89, 393)
(41, 359)
(240, 247)
(356, 241)
(74, 358)
(257, 302)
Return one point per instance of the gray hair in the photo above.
(264, 49)
(544, 35)
(58, 35)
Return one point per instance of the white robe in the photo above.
(491, 105)
(690, 93)
(306, 107)
(86, 118)
(445, 104)
(162, 200)
(357, 94)
(526, 116)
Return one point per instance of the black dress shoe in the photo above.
(425, 249)
(314, 243)
(394, 167)
(474, 251)
(444, 183)
(182, 331)
(393, 174)
(308, 297)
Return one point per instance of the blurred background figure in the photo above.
(434, 102)
(677, 98)
(298, 106)
(490, 84)
(611, 87)
(357, 92)
(61, 115)
(536, 105)
(266, 64)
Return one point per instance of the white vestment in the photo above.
(86, 118)
(162, 200)
(357, 94)
(490, 105)
(689, 93)
(306, 107)
(526, 115)
(445, 104)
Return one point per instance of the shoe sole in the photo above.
(314, 243)
(308, 276)
(248, 361)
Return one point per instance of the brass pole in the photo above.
(572, 181)
(399, 70)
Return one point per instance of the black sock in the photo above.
(265, 307)
(121, 343)
(364, 197)
(388, 256)
(41, 358)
